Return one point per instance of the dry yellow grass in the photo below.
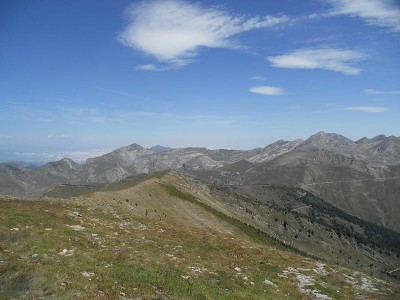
(105, 246)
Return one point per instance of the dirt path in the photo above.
(351, 180)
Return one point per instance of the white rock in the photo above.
(87, 274)
(77, 227)
(66, 252)
(267, 282)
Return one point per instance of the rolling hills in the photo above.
(168, 235)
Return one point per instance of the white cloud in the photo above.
(367, 109)
(148, 67)
(384, 13)
(337, 60)
(261, 78)
(377, 92)
(57, 136)
(154, 67)
(174, 31)
(267, 90)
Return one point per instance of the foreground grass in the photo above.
(73, 250)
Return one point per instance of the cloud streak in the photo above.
(6, 137)
(336, 60)
(377, 92)
(118, 92)
(367, 109)
(57, 136)
(267, 90)
(383, 13)
(174, 31)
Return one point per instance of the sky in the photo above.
(80, 78)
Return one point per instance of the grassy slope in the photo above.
(178, 249)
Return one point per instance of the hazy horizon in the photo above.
(81, 156)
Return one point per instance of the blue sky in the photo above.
(81, 78)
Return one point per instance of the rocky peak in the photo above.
(69, 162)
(363, 140)
(133, 147)
(64, 163)
(159, 149)
(329, 141)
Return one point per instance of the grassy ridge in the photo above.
(256, 233)
(134, 258)
(105, 247)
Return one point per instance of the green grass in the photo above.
(136, 256)
(254, 232)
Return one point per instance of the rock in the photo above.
(77, 227)
(268, 282)
(320, 269)
(66, 252)
(76, 214)
(87, 274)
(237, 269)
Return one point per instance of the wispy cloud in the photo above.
(260, 78)
(383, 13)
(118, 92)
(148, 67)
(5, 136)
(57, 136)
(267, 90)
(38, 115)
(176, 116)
(174, 31)
(378, 92)
(162, 67)
(367, 109)
(337, 60)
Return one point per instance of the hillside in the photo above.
(360, 177)
(160, 236)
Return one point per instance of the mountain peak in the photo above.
(67, 162)
(134, 147)
(322, 133)
(159, 148)
(328, 141)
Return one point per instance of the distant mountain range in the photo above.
(360, 177)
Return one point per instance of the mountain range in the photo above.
(359, 177)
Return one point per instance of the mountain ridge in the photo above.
(350, 175)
